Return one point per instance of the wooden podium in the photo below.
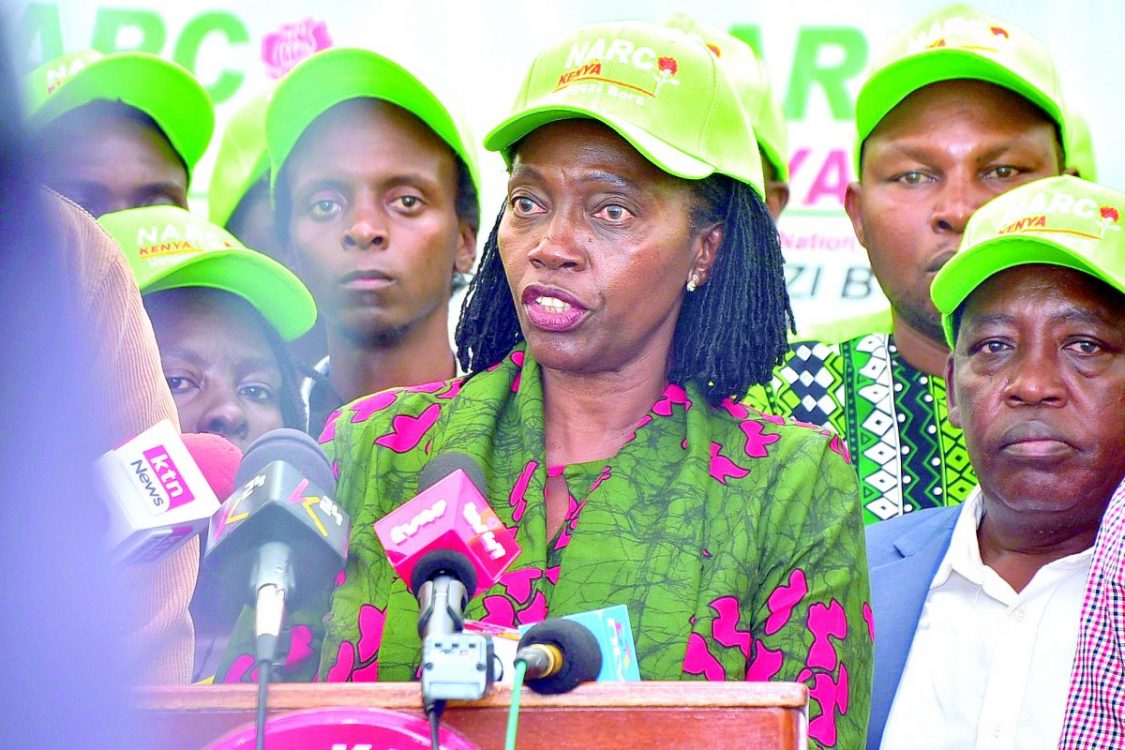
(608, 716)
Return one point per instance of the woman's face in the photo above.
(218, 362)
(597, 246)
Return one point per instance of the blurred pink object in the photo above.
(292, 43)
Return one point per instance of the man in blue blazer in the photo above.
(976, 607)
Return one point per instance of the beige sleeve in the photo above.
(132, 396)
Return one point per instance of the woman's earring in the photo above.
(693, 282)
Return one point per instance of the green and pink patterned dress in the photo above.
(734, 538)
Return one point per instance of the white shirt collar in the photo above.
(963, 556)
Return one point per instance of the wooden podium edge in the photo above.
(287, 697)
(610, 715)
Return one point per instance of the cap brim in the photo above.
(967, 270)
(668, 158)
(339, 75)
(888, 87)
(267, 285)
(161, 89)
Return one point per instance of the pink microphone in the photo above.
(217, 458)
(447, 543)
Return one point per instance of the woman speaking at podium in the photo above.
(630, 293)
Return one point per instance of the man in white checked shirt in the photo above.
(1095, 712)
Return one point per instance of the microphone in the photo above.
(613, 640)
(559, 654)
(448, 545)
(218, 460)
(442, 580)
(157, 488)
(614, 635)
(446, 542)
(280, 531)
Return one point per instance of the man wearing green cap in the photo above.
(961, 108)
(977, 606)
(375, 194)
(117, 131)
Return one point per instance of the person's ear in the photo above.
(954, 409)
(777, 198)
(466, 251)
(853, 205)
(707, 244)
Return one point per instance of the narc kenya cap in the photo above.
(659, 88)
(1060, 221)
(161, 89)
(170, 248)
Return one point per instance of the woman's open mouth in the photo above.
(552, 309)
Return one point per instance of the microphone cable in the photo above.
(434, 711)
(514, 706)
(263, 690)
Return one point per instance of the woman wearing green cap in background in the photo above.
(630, 291)
(221, 313)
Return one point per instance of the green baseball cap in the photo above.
(242, 160)
(336, 75)
(658, 88)
(751, 82)
(954, 43)
(1080, 147)
(1060, 221)
(163, 90)
(170, 248)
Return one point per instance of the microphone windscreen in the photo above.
(582, 657)
(444, 464)
(295, 448)
(217, 458)
(447, 561)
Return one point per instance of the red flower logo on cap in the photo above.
(292, 43)
(714, 50)
(666, 67)
(999, 31)
(1108, 217)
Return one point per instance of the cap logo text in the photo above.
(172, 239)
(586, 62)
(1025, 223)
(58, 76)
(609, 50)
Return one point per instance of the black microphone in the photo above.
(559, 654)
(280, 531)
(443, 581)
